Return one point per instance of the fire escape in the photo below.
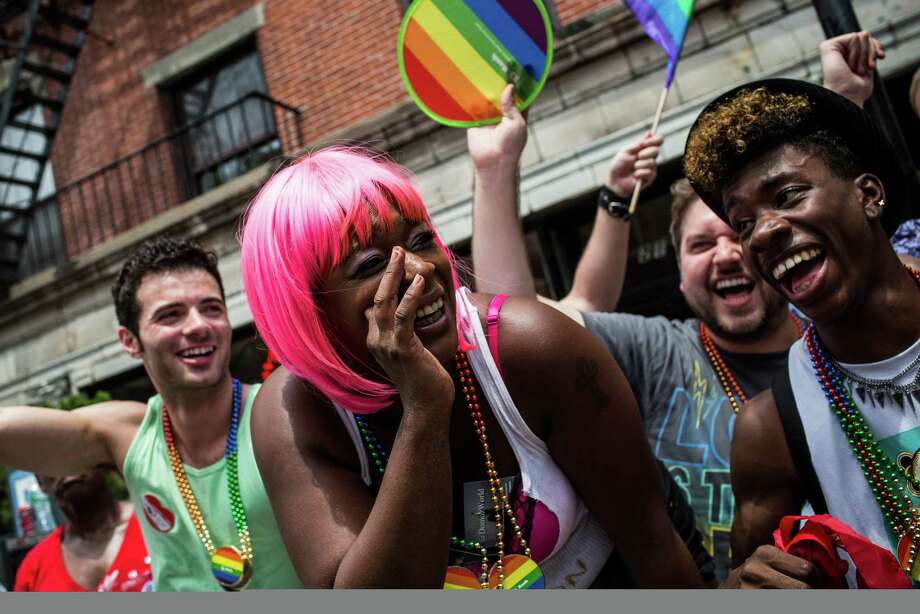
(40, 41)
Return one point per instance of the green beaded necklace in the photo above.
(378, 455)
(882, 473)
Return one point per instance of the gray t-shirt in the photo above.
(688, 419)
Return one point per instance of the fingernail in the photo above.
(394, 254)
(418, 279)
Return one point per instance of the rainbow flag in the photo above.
(456, 56)
(665, 22)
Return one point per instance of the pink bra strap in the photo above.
(492, 318)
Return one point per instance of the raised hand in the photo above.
(422, 382)
(848, 64)
(634, 163)
(499, 146)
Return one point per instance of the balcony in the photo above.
(150, 181)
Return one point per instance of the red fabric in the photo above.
(818, 541)
(43, 569)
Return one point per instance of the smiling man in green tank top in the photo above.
(187, 455)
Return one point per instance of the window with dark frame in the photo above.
(228, 125)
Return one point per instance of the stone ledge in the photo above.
(213, 208)
(205, 47)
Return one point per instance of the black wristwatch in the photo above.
(614, 204)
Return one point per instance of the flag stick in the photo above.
(655, 122)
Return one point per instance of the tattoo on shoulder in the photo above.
(586, 371)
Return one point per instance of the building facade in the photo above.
(177, 111)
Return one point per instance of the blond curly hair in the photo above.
(729, 135)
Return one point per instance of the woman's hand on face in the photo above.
(421, 380)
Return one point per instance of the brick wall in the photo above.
(572, 10)
(109, 111)
(334, 60)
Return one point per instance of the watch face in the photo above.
(612, 204)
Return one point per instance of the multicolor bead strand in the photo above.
(881, 472)
(733, 391)
(233, 477)
(730, 385)
(231, 457)
(378, 455)
(500, 502)
(185, 489)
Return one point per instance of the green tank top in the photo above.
(178, 558)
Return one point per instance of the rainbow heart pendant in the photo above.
(460, 579)
(521, 572)
(229, 569)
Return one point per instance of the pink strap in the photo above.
(492, 318)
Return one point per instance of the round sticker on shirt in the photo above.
(159, 517)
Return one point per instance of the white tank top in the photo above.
(897, 429)
(583, 547)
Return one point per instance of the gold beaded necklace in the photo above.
(727, 379)
(232, 568)
(527, 573)
(512, 571)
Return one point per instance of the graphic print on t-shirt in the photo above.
(903, 444)
(694, 442)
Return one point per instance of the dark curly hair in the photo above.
(752, 123)
(160, 255)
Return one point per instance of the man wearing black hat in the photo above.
(804, 176)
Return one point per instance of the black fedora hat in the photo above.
(829, 112)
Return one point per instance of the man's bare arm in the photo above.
(601, 270)
(56, 442)
(499, 253)
(766, 488)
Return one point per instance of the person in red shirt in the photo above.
(98, 548)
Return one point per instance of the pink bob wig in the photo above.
(297, 229)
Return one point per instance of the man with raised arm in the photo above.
(690, 377)
(187, 455)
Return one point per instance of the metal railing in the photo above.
(196, 158)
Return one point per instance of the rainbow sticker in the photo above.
(460, 579)
(456, 56)
(521, 572)
(229, 568)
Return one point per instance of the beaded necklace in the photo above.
(882, 473)
(378, 455)
(730, 385)
(232, 568)
(511, 571)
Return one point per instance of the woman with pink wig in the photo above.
(420, 435)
